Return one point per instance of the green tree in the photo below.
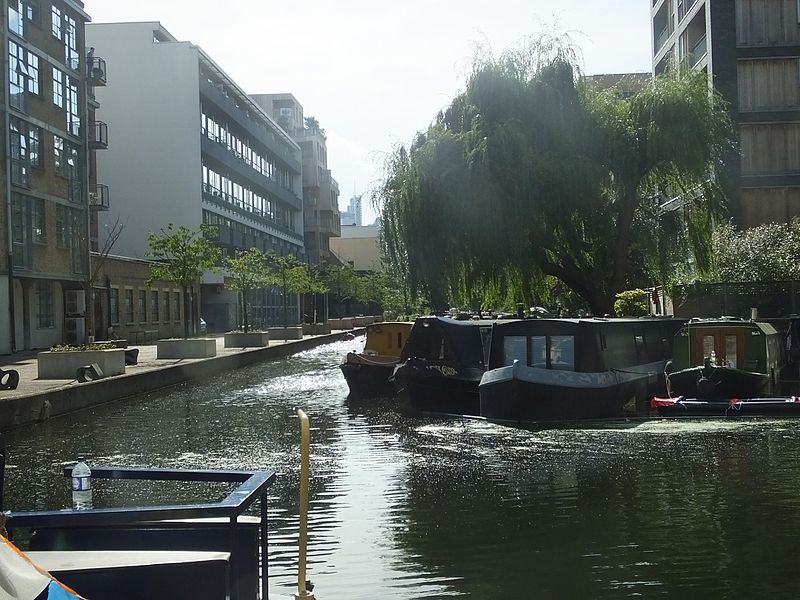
(281, 274)
(769, 252)
(247, 271)
(182, 254)
(307, 279)
(531, 173)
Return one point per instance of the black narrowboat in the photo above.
(574, 369)
(442, 364)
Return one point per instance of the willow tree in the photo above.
(531, 173)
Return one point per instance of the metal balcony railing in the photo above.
(98, 136)
(96, 71)
(99, 198)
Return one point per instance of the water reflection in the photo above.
(410, 507)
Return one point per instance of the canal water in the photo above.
(409, 507)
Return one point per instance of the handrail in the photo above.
(253, 486)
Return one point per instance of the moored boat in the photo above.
(442, 364)
(572, 369)
(368, 373)
(751, 407)
(726, 358)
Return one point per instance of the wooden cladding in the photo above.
(767, 23)
(769, 84)
(768, 205)
(770, 149)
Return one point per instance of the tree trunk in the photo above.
(245, 322)
(185, 312)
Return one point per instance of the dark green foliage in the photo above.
(631, 303)
(530, 174)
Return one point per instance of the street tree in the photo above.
(182, 255)
(530, 173)
(280, 275)
(247, 271)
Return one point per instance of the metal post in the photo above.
(305, 443)
(264, 549)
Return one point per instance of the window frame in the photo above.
(45, 313)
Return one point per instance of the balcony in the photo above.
(98, 136)
(95, 71)
(99, 197)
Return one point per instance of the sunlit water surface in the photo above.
(417, 507)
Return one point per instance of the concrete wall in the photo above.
(359, 245)
(152, 107)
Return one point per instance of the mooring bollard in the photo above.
(303, 591)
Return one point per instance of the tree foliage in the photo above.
(247, 271)
(768, 252)
(530, 173)
(181, 256)
(281, 273)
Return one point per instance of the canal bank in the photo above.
(41, 399)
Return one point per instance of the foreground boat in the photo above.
(719, 359)
(442, 364)
(752, 407)
(368, 373)
(572, 369)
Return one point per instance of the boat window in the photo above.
(399, 340)
(562, 352)
(514, 348)
(730, 351)
(538, 351)
(708, 347)
(638, 341)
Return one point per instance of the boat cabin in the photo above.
(448, 341)
(729, 342)
(386, 339)
(582, 345)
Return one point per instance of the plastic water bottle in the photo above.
(81, 485)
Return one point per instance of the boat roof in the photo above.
(727, 322)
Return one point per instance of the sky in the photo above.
(375, 72)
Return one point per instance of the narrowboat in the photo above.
(442, 364)
(726, 358)
(368, 373)
(574, 369)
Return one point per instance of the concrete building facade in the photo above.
(320, 190)
(359, 247)
(751, 52)
(195, 149)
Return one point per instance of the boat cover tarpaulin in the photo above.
(22, 579)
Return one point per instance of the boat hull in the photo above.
(437, 388)
(752, 407)
(528, 394)
(369, 380)
(718, 383)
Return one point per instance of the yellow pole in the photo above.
(305, 445)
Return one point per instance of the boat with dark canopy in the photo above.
(573, 369)
(368, 373)
(442, 364)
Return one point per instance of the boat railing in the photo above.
(253, 486)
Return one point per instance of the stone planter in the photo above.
(316, 328)
(286, 333)
(63, 365)
(361, 321)
(347, 323)
(251, 339)
(186, 348)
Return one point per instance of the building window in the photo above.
(155, 306)
(20, 167)
(60, 156)
(129, 306)
(20, 233)
(23, 75)
(38, 229)
(73, 117)
(63, 227)
(15, 22)
(56, 15)
(114, 306)
(44, 304)
(177, 306)
(167, 318)
(71, 56)
(33, 11)
(58, 88)
(142, 306)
